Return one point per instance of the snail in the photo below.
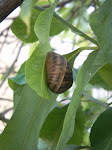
(58, 73)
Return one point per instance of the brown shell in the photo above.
(58, 72)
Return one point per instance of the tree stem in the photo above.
(97, 3)
(7, 6)
(74, 29)
(92, 99)
(81, 49)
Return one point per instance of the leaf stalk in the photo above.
(73, 28)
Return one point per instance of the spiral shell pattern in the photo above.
(58, 73)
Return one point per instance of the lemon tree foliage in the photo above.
(101, 136)
(43, 120)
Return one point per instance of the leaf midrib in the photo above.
(57, 133)
(108, 143)
(30, 125)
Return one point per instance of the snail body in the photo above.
(58, 73)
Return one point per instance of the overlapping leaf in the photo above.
(23, 129)
(26, 14)
(101, 24)
(93, 63)
(52, 127)
(22, 31)
(17, 83)
(23, 26)
(101, 132)
(35, 66)
(106, 74)
(98, 81)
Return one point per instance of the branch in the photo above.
(7, 6)
(69, 25)
(4, 119)
(5, 99)
(60, 4)
(10, 69)
(6, 111)
(92, 99)
(97, 3)
(5, 40)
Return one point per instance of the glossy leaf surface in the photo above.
(52, 127)
(101, 132)
(35, 66)
(23, 129)
(92, 64)
(101, 24)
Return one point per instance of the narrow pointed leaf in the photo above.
(52, 127)
(35, 66)
(101, 24)
(97, 81)
(106, 74)
(101, 132)
(26, 14)
(22, 131)
(92, 64)
(22, 31)
(17, 83)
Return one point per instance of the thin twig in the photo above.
(60, 4)
(5, 30)
(73, 11)
(65, 99)
(5, 99)
(6, 36)
(73, 28)
(6, 111)
(82, 147)
(4, 119)
(110, 103)
(92, 99)
(97, 3)
(10, 69)
(2, 115)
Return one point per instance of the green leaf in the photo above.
(92, 64)
(56, 27)
(101, 24)
(17, 83)
(22, 68)
(26, 14)
(74, 147)
(78, 134)
(19, 79)
(22, 131)
(101, 132)
(35, 66)
(71, 56)
(44, 145)
(52, 126)
(24, 33)
(106, 74)
(99, 82)
(17, 95)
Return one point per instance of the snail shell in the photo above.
(58, 73)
